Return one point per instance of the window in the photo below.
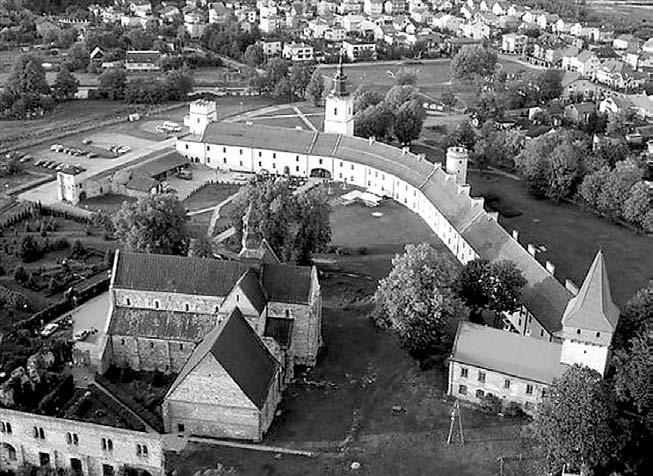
(217, 308)
(260, 164)
(5, 427)
(598, 334)
(320, 161)
(529, 389)
(335, 111)
(44, 459)
(464, 372)
(38, 432)
(208, 160)
(462, 389)
(76, 466)
(107, 444)
(237, 298)
(578, 331)
(141, 450)
(240, 151)
(506, 383)
(72, 439)
(129, 302)
(480, 393)
(297, 168)
(287, 313)
(187, 307)
(541, 333)
(181, 346)
(224, 150)
(224, 160)
(11, 451)
(274, 155)
(107, 470)
(296, 158)
(208, 147)
(481, 376)
(260, 154)
(156, 304)
(122, 341)
(180, 427)
(186, 146)
(151, 345)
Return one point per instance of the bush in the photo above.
(20, 275)
(491, 404)
(60, 244)
(29, 250)
(513, 410)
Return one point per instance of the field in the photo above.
(626, 10)
(210, 196)
(344, 410)
(109, 203)
(434, 77)
(572, 236)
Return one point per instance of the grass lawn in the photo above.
(109, 203)
(198, 225)
(344, 410)
(572, 236)
(211, 195)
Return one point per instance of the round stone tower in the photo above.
(457, 158)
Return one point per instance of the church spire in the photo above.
(340, 81)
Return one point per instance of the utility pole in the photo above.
(455, 415)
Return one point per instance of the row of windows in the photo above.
(181, 346)
(507, 383)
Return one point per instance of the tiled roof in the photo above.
(142, 57)
(593, 308)
(508, 353)
(162, 164)
(176, 274)
(160, 324)
(287, 283)
(250, 285)
(237, 348)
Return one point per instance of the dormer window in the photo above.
(237, 298)
(156, 304)
(578, 331)
(187, 306)
(129, 302)
(598, 334)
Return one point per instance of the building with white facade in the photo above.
(297, 51)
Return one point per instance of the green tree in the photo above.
(592, 185)
(637, 204)
(27, 77)
(295, 226)
(415, 301)
(77, 57)
(473, 63)
(113, 83)
(406, 77)
(635, 316)
(488, 106)
(139, 39)
(408, 121)
(65, 85)
(364, 98)
(462, 135)
(496, 286)
(398, 95)
(574, 421)
(548, 84)
(283, 89)
(179, 84)
(153, 224)
(374, 121)
(608, 152)
(616, 188)
(276, 69)
(20, 275)
(29, 250)
(254, 55)
(551, 165)
(631, 372)
(315, 88)
(202, 248)
(300, 76)
(619, 123)
(448, 98)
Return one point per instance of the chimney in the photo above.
(550, 267)
(404, 150)
(493, 216)
(515, 235)
(571, 287)
(531, 249)
(372, 140)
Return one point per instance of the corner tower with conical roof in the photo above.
(339, 107)
(590, 320)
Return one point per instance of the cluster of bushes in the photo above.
(12, 298)
(31, 250)
(493, 405)
(619, 193)
(191, 61)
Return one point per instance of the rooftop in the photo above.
(507, 353)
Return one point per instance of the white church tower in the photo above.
(339, 107)
(590, 320)
(200, 115)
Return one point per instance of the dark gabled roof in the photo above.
(507, 353)
(176, 274)
(160, 324)
(287, 283)
(250, 284)
(237, 348)
(160, 165)
(142, 56)
(143, 184)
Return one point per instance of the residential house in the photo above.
(642, 105)
(547, 21)
(421, 15)
(147, 60)
(326, 8)
(513, 43)
(579, 113)
(141, 8)
(618, 75)
(614, 104)
(270, 47)
(169, 14)
(516, 10)
(335, 34)
(585, 63)
(647, 47)
(219, 13)
(355, 50)
(270, 24)
(349, 6)
(297, 51)
(476, 30)
(623, 42)
(385, 33)
(500, 8)
(395, 7)
(373, 7)
(195, 23)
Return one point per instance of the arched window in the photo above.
(9, 451)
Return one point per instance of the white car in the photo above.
(124, 149)
(81, 335)
(56, 147)
(50, 329)
(241, 177)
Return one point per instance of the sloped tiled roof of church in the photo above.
(287, 283)
(250, 284)
(161, 324)
(237, 348)
(593, 308)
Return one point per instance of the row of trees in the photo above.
(424, 297)
(599, 425)
(287, 80)
(27, 92)
(173, 85)
(398, 113)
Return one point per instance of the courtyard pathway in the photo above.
(303, 117)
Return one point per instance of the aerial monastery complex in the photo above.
(233, 331)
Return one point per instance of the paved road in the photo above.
(93, 314)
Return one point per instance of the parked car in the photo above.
(50, 329)
(92, 155)
(55, 147)
(87, 141)
(124, 149)
(53, 165)
(241, 177)
(24, 159)
(81, 335)
(185, 174)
